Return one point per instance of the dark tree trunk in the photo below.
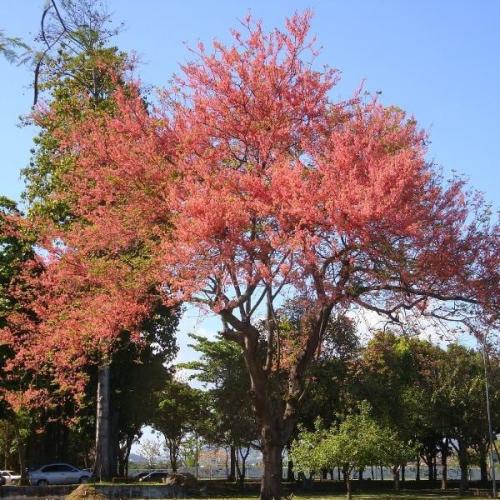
(403, 473)
(444, 465)
(483, 467)
(232, 464)
(124, 453)
(173, 452)
(290, 475)
(102, 467)
(430, 467)
(395, 476)
(463, 461)
(242, 471)
(348, 484)
(417, 473)
(360, 476)
(381, 472)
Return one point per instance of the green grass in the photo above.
(367, 496)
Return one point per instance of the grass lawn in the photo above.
(372, 496)
(386, 496)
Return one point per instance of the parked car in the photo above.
(154, 477)
(2, 480)
(138, 477)
(58, 474)
(10, 476)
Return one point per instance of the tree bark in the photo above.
(270, 488)
(395, 476)
(290, 475)
(463, 461)
(348, 485)
(232, 464)
(444, 465)
(483, 463)
(102, 467)
(417, 474)
(430, 467)
(173, 452)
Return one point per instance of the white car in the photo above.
(58, 474)
(10, 476)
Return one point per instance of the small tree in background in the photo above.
(181, 411)
(151, 451)
(359, 441)
(394, 453)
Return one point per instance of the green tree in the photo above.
(354, 444)
(461, 390)
(221, 368)
(139, 372)
(181, 411)
(403, 370)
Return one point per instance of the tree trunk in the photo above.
(417, 474)
(430, 468)
(242, 471)
(403, 473)
(444, 466)
(173, 452)
(348, 485)
(270, 488)
(232, 464)
(124, 453)
(290, 475)
(463, 461)
(395, 476)
(483, 467)
(275, 410)
(102, 467)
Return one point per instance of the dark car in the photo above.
(154, 477)
(138, 477)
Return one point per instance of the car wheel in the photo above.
(42, 482)
(83, 480)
